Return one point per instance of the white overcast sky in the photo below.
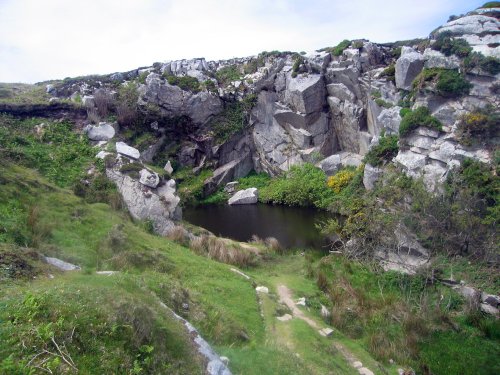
(49, 39)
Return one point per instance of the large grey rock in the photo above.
(408, 66)
(126, 150)
(160, 205)
(331, 164)
(436, 59)
(306, 94)
(390, 120)
(334, 163)
(247, 196)
(479, 30)
(412, 162)
(102, 132)
(340, 91)
(347, 119)
(148, 178)
(174, 102)
(228, 172)
(371, 176)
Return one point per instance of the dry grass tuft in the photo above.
(179, 235)
(223, 251)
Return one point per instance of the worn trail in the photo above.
(285, 296)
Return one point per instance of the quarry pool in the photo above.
(294, 227)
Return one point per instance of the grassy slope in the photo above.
(223, 305)
(51, 219)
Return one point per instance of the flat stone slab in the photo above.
(125, 149)
(326, 332)
(106, 273)
(61, 264)
(285, 318)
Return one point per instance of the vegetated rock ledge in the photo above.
(50, 110)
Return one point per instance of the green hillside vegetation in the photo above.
(60, 322)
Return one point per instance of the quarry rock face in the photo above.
(310, 108)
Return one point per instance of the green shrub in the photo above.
(491, 4)
(389, 73)
(479, 125)
(448, 45)
(489, 64)
(299, 60)
(228, 74)
(419, 117)
(452, 84)
(186, 83)
(339, 48)
(448, 83)
(253, 65)
(386, 149)
(303, 185)
(256, 180)
(382, 103)
(210, 85)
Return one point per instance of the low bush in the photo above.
(232, 119)
(448, 83)
(340, 179)
(451, 83)
(186, 83)
(339, 48)
(299, 60)
(419, 117)
(304, 185)
(479, 125)
(383, 152)
(491, 4)
(389, 73)
(477, 60)
(228, 74)
(448, 45)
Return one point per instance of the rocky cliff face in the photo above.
(310, 107)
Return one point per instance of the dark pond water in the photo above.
(294, 227)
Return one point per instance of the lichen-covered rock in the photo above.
(160, 205)
(175, 102)
(148, 178)
(247, 196)
(370, 176)
(306, 94)
(101, 132)
(408, 66)
(126, 150)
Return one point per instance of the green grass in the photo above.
(21, 93)
(55, 151)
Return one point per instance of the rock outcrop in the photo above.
(247, 196)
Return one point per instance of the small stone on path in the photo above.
(301, 301)
(262, 289)
(357, 364)
(284, 318)
(365, 371)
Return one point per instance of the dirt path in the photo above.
(285, 296)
